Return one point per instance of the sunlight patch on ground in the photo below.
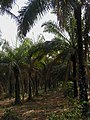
(32, 111)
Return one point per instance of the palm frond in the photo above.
(51, 27)
(62, 43)
(8, 12)
(6, 3)
(54, 28)
(29, 14)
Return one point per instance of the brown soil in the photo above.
(39, 108)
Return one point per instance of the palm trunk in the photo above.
(86, 56)
(73, 58)
(82, 79)
(10, 87)
(45, 88)
(86, 37)
(49, 83)
(30, 91)
(66, 79)
(17, 90)
(36, 86)
(17, 85)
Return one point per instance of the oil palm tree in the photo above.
(35, 8)
(10, 59)
(15, 59)
(69, 44)
(82, 75)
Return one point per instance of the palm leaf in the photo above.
(29, 14)
(4, 10)
(54, 28)
(6, 3)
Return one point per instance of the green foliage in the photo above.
(54, 117)
(73, 113)
(30, 13)
(69, 89)
(10, 115)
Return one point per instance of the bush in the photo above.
(10, 115)
(69, 89)
(73, 113)
(66, 115)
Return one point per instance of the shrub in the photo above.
(69, 89)
(10, 115)
(73, 113)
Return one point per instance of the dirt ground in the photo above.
(39, 108)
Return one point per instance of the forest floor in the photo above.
(39, 108)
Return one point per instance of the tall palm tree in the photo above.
(82, 75)
(67, 44)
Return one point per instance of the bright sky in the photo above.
(8, 26)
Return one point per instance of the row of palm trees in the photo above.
(33, 61)
(40, 59)
(72, 20)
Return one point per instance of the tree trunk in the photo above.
(86, 37)
(82, 79)
(17, 90)
(73, 58)
(10, 87)
(30, 91)
(49, 83)
(36, 86)
(45, 88)
(17, 85)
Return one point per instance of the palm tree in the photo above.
(67, 44)
(29, 14)
(15, 58)
(82, 79)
